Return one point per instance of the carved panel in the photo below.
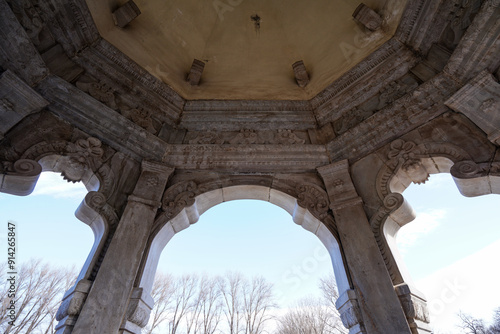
(479, 100)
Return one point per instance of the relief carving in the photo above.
(245, 137)
(287, 137)
(313, 199)
(207, 138)
(100, 91)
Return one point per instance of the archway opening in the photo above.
(254, 238)
(449, 248)
(51, 247)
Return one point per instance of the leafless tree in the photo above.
(495, 327)
(314, 316)
(472, 325)
(163, 290)
(211, 305)
(230, 289)
(38, 294)
(184, 291)
(257, 302)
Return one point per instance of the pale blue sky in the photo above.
(257, 237)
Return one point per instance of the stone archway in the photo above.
(143, 303)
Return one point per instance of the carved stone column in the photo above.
(380, 308)
(108, 301)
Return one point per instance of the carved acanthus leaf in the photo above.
(287, 137)
(178, 197)
(245, 136)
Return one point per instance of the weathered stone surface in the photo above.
(479, 100)
(17, 53)
(367, 17)
(17, 100)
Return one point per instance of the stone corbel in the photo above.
(476, 179)
(139, 310)
(71, 306)
(415, 308)
(350, 313)
(19, 178)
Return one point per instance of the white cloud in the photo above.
(425, 223)
(52, 184)
(469, 285)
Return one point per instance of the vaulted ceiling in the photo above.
(248, 46)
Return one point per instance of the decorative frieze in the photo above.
(247, 137)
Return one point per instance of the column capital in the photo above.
(339, 186)
(151, 184)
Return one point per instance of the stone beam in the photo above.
(17, 53)
(17, 100)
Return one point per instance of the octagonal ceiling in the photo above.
(248, 46)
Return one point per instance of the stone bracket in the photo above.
(194, 75)
(126, 14)
(367, 17)
(71, 306)
(350, 313)
(301, 76)
(139, 310)
(415, 308)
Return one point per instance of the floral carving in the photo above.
(287, 137)
(178, 197)
(207, 138)
(142, 118)
(100, 91)
(245, 136)
(313, 199)
(350, 119)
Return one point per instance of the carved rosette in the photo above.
(83, 155)
(100, 91)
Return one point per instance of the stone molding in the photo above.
(476, 179)
(19, 178)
